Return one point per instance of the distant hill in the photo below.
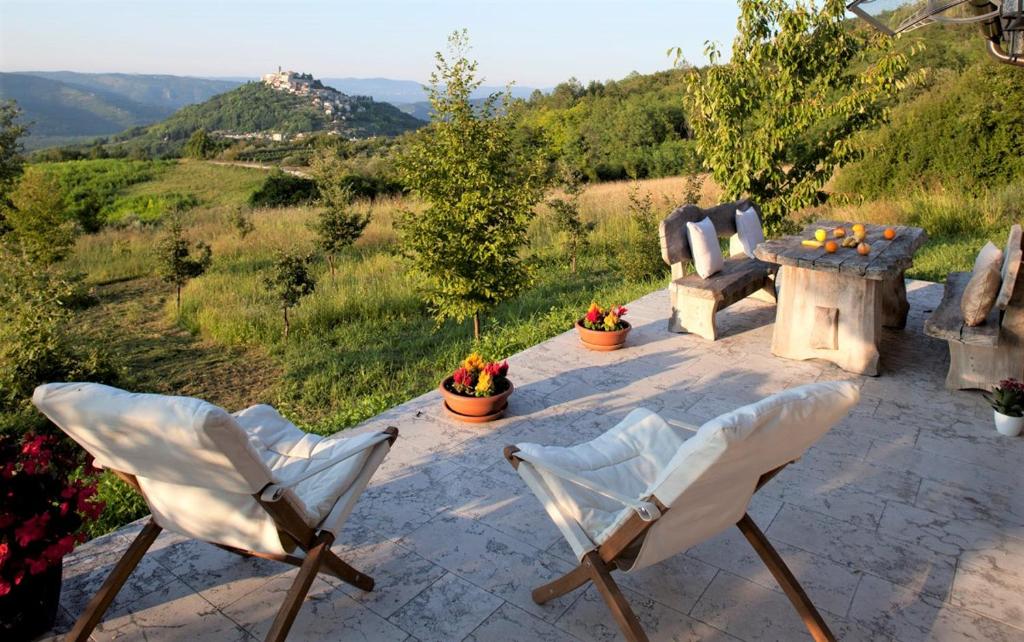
(60, 113)
(406, 92)
(167, 92)
(258, 110)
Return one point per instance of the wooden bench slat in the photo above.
(740, 277)
(947, 321)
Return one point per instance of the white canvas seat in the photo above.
(251, 482)
(648, 489)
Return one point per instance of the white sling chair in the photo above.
(251, 483)
(647, 490)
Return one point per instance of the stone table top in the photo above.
(887, 258)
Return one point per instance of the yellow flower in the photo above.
(473, 362)
(483, 384)
(611, 321)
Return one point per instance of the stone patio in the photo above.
(906, 522)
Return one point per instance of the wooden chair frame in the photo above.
(597, 565)
(316, 544)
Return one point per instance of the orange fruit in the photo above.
(863, 249)
(831, 246)
(839, 232)
(889, 233)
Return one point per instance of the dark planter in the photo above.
(474, 409)
(30, 609)
(603, 340)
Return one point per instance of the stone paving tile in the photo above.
(326, 613)
(903, 523)
(172, 612)
(831, 586)
(491, 560)
(750, 611)
(909, 616)
(398, 574)
(590, 619)
(449, 609)
(510, 624)
(864, 549)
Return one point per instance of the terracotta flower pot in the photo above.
(474, 409)
(603, 340)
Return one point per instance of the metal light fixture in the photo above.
(1001, 21)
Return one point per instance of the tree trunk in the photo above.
(476, 326)
(286, 328)
(330, 264)
(178, 308)
(572, 263)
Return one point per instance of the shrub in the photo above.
(640, 258)
(288, 282)
(177, 264)
(147, 208)
(38, 219)
(283, 190)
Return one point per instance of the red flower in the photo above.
(5, 553)
(54, 552)
(35, 567)
(593, 315)
(5, 588)
(34, 528)
(496, 369)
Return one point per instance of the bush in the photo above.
(640, 258)
(283, 190)
(147, 208)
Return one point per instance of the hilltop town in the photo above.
(331, 101)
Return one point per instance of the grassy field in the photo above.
(363, 342)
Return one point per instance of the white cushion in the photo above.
(290, 453)
(748, 229)
(627, 458)
(704, 248)
(988, 255)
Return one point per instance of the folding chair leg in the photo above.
(100, 602)
(293, 600)
(565, 584)
(340, 569)
(812, 619)
(613, 597)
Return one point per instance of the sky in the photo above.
(529, 42)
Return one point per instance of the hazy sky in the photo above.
(527, 41)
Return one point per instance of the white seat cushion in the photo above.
(987, 255)
(748, 229)
(290, 453)
(628, 458)
(704, 248)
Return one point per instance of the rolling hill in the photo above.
(165, 92)
(258, 110)
(61, 113)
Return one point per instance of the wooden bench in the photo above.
(695, 300)
(983, 355)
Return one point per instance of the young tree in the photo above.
(177, 263)
(778, 118)
(241, 220)
(11, 161)
(640, 259)
(200, 145)
(480, 189)
(338, 225)
(566, 211)
(289, 281)
(38, 219)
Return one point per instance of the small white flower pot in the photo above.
(1007, 425)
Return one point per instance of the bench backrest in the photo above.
(674, 246)
(1011, 267)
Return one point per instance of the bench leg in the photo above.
(981, 367)
(693, 314)
(767, 293)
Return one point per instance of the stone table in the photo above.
(832, 306)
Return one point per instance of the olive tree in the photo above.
(339, 224)
(480, 190)
(289, 281)
(777, 119)
(176, 262)
(566, 212)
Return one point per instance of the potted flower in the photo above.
(477, 391)
(603, 329)
(1007, 401)
(47, 495)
